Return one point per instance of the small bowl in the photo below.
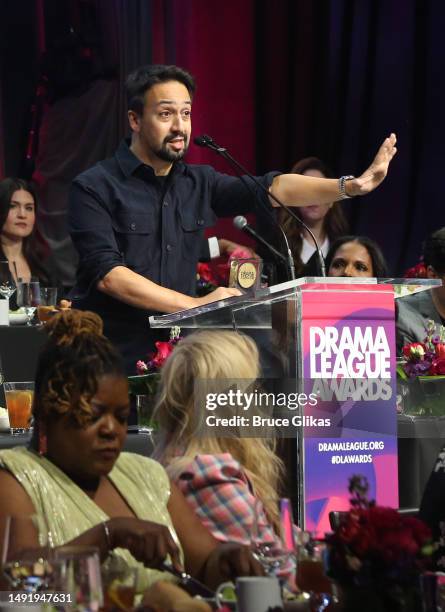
(4, 423)
(17, 318)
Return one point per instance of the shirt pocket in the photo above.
(134, 236)
(193, 225)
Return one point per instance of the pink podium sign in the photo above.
(348, 359)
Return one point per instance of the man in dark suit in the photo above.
(414, 311)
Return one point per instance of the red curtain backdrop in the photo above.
(278, 80)
(215, 42)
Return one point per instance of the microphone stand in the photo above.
(207, 141)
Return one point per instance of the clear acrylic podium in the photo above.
(335, 337)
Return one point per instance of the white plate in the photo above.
(17, 318)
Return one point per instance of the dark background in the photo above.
(277, 80)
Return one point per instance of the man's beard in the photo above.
(167, 154)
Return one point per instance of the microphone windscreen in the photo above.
(240, 222)
(203, 141)
(200, 141)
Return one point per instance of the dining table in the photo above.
(420, 438)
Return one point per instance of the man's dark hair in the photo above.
(144, 77)
(434, 250)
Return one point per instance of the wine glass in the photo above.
(26, 568)
(275, 552)
(7, 286)
(28, 297)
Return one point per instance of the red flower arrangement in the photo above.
(163, 351)
(417, 271)
(425, 358)
(376, 547)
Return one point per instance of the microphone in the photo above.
(207, 141)
(240, 223)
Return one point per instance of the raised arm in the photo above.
(301, 190)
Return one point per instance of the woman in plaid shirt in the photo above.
(223, 478)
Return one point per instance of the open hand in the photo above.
(374, 175)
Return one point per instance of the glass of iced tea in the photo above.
(19, 397)
(311, 576)
(119, 586)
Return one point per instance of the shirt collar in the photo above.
(129, 163)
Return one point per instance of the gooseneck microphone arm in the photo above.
(207, 141)
(240, 223)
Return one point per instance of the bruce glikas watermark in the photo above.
(258, 408)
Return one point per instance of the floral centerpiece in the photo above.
(422, 371)
(206, 281)
(147, 380)
(377, 555)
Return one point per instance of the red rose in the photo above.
(414, 351)
(240, 253)
(421, 532)
(163, 351)
(205, 273)
(438, 367)
(440, 350)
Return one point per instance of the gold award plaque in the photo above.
(247, 275)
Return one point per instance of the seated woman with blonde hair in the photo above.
(221, 477)
(76, 480)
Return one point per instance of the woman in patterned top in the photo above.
(223, 478)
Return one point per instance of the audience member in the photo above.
(221, 477)
(78, 482)
(20, 243)
(413, 311)
(356, 256)
(432, 507)
(326, 221)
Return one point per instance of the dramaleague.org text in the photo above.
(259, 421)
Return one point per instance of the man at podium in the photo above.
(137, 219)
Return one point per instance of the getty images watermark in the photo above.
(259, 408)
(282, 407)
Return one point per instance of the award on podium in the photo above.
(245, 274)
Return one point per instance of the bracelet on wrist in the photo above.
(107, 535)
(341, 186)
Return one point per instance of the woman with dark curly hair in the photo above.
(79, 485)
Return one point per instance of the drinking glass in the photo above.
(432, 587)
(26, 568)
(311, 577)
(19, 397)
(7, 285)
(144, 407)
(48, 301)
(78, 573)
(28, 297)
(274, 555)
(119, 584)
